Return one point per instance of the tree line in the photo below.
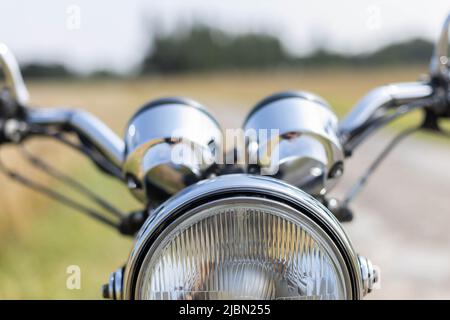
(203, 48)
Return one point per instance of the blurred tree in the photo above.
(204, 48)
(36, 70)
(416, 51)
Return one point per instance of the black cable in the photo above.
(58, 136)
(69, 181)
(363, 179)
(96, 157)
(55, 195)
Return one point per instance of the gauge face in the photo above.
(243, 248)
(301, 146)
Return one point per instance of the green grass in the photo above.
(33, 264)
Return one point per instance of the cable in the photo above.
(75, 185)
(55, 195)
(96, 157)
(363, 179)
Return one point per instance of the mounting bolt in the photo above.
(113, 290)
(105, 292)
(14, 130)
(368, 274)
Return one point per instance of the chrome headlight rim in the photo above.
(234, 186)
(287, 212)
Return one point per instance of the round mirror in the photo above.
(12, 75)
(439, 66)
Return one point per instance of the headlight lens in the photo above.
(243, 248)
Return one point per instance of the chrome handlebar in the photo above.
(434, 94)
(372, 111)
(96, 134)
(19, 116)
(351, 129)
(380, 99)
(90, 128)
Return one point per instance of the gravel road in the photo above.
(403, 217)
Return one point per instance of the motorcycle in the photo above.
(261, 228)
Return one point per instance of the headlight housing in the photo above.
(242, 237)
(243, 248)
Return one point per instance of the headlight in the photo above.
(243, 237)
(243, 248)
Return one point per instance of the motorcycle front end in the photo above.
(263, 229)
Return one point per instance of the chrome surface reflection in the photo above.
(170, 144)
(231, 187)
(306, 151)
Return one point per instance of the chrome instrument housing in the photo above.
(169, 144)
(306, 151)
(235, 186)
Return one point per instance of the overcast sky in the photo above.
(87, 35)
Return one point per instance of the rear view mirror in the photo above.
(439, 65)
(12, 76)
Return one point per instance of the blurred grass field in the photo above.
(39, 239)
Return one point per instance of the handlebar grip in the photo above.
(12, 125)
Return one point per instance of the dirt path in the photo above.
(402, 217)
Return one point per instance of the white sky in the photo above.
(114, 34)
